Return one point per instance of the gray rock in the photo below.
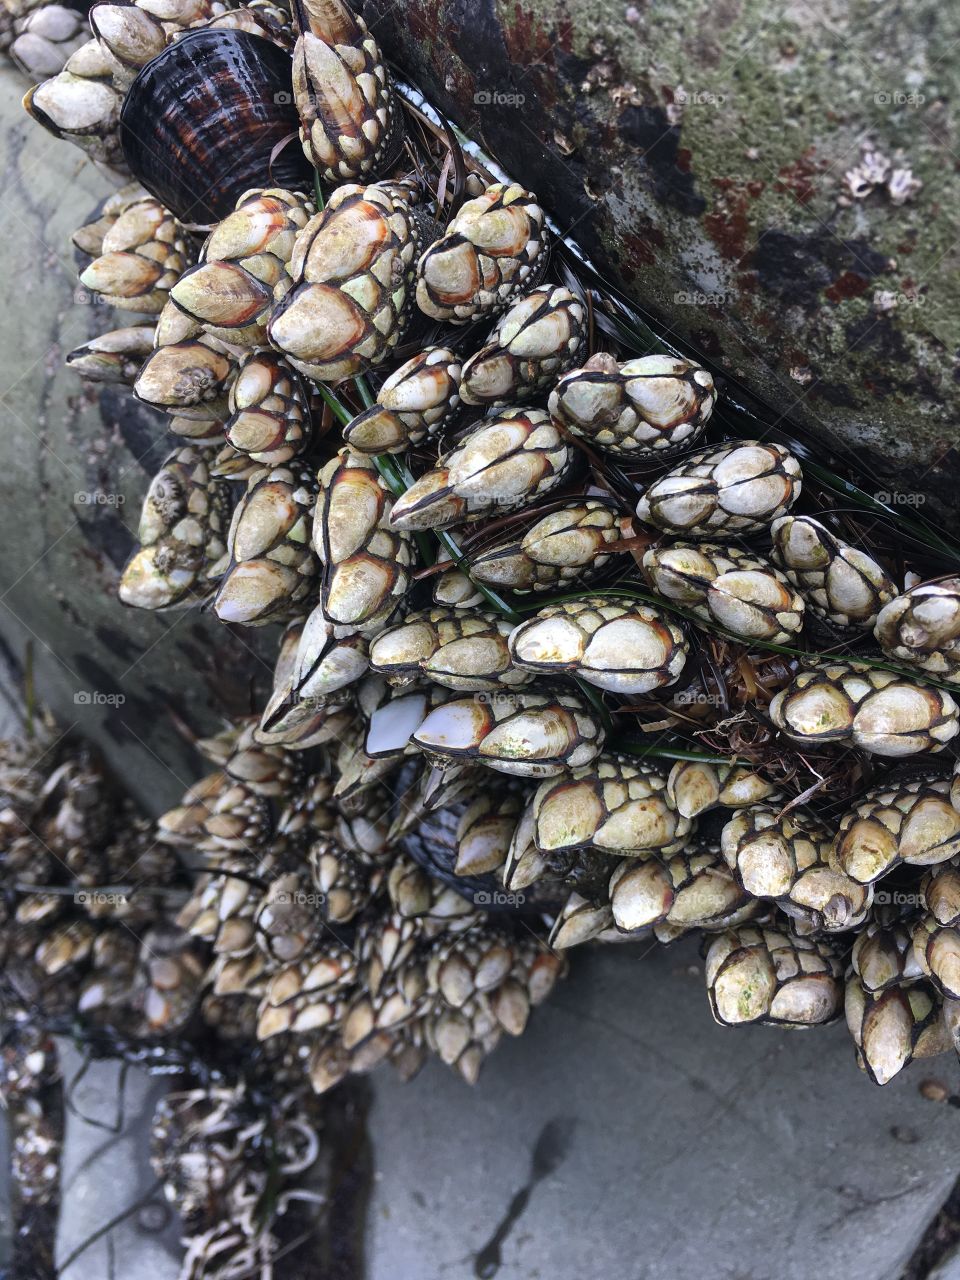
(948, 1268)
(106, 1170)
(698, 152)
(667, 1147)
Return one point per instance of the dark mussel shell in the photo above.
(201, 120)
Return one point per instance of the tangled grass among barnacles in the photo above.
(579, 643)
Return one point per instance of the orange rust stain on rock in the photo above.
(418, 21)
(641, 250)
(727, 224)
(797, 178)
(849, 284)
(525, 39)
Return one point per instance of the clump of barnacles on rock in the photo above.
(577, 645)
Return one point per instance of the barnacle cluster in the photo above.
(564, 634)
(264, 940)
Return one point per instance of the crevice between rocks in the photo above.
(940, 1240)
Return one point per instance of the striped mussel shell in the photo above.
(142, 255)
(726, 490)
(190, 379)
(494, 248)
(842, 585)
(202, 121)
(534, 733)
(182, 532)
(81, 105)
(908, 820)
(537, 339)
(365, 562)
(728, 586)
(878, 711)
(770, 976)
(922, 627)
(271, 562)
(353, 268)
(786, 858)
(613, 804)
(462, 650)
(312, 674)
(690, 889)
(414, 403)
(696, 786)
(620, 646)
(893, 1027)
(244, 266)
(502, 464)
(650, 406)
(349, 120)
(269, 414)
(115, 356)
(882, 954)
(570, 545)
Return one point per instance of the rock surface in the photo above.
(106, 1171)
(698, 152)
(655, 1145)
(75, 466)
